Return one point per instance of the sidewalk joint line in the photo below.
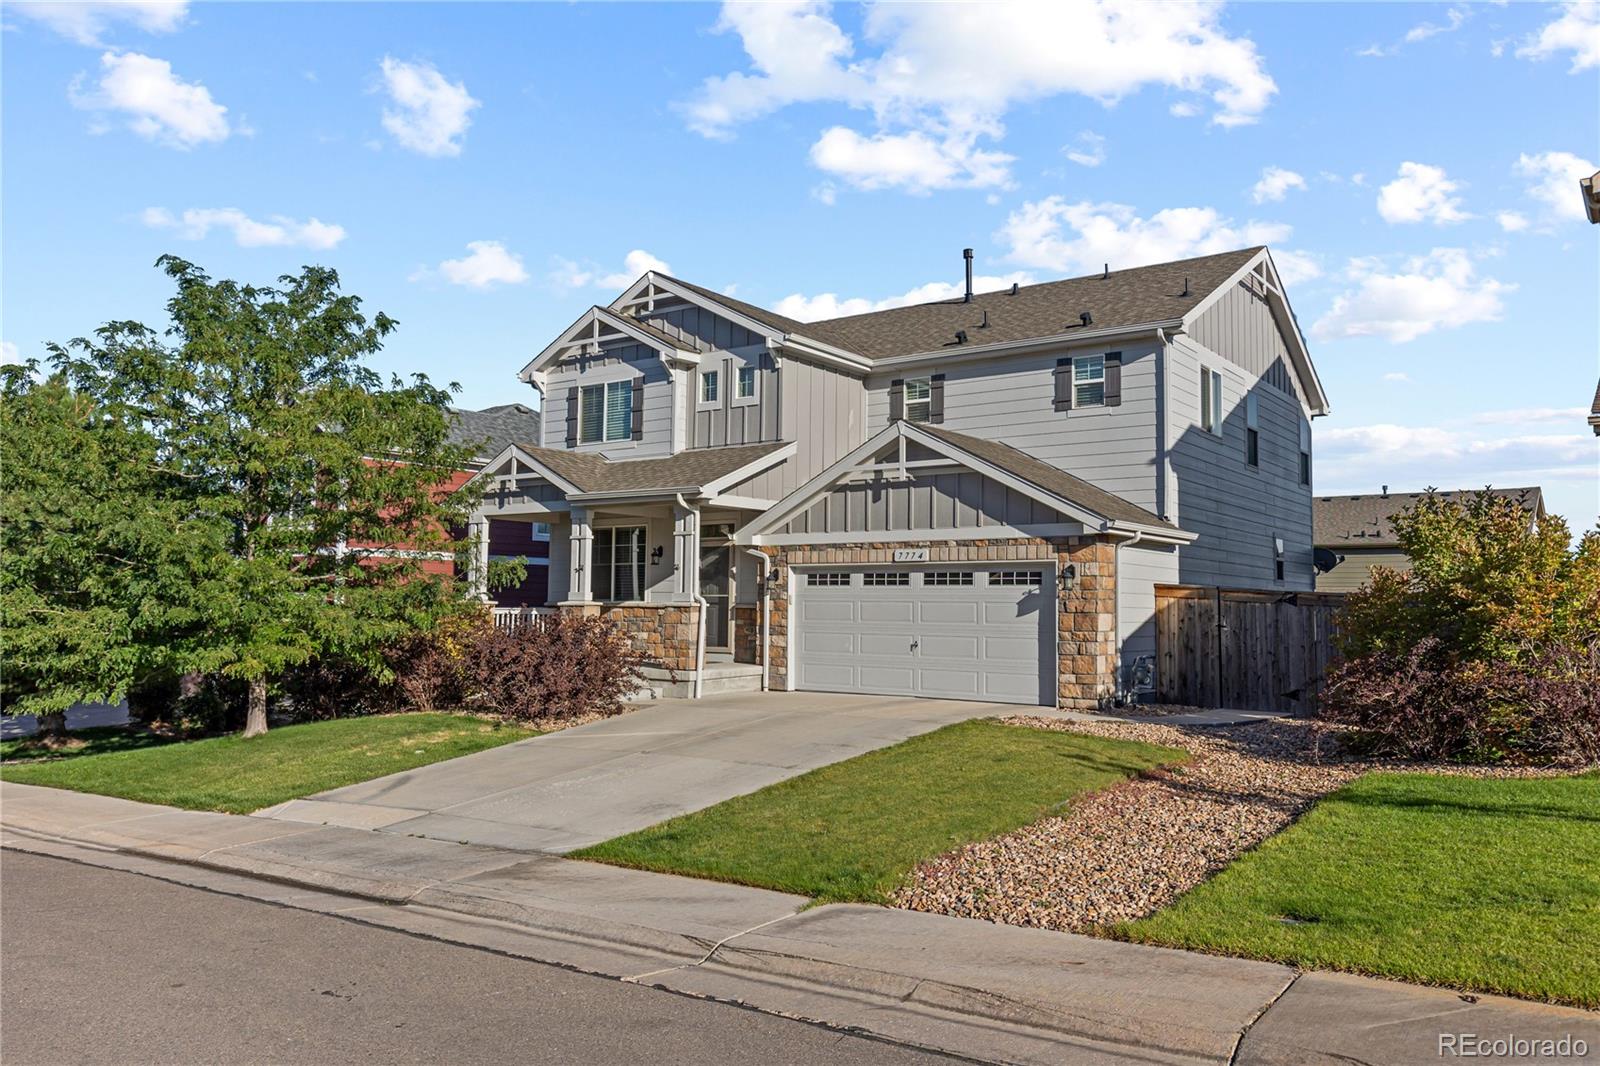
(734, 936)
(1238, 1041)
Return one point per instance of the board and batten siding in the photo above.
(620, 362)
(1235, 509)
(731, 420)
(955, 500)
(822, 412)
(1139, 570)
(1241, 328)
(1011, 399)
(1356, 570)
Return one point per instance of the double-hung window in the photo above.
(1305, 452)
(1252, 431)
(605, 412)
(1089, 381)
(618, 557)
(1211, 400)
(744, 385)
(919, 399)
(709, 385)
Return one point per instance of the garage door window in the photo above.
(890, 577)
(827, 579)
(1013, 577)
(948, 577)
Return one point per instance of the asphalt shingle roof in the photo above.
(691, 469)
(499, 426)
(1365, 521)
(1049, 478)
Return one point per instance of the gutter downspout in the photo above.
(700, 601)
(766, 610)
(1132, 538)
(1163, 404)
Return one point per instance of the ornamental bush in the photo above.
(1487, 649)
(562, 666)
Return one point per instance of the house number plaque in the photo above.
(911, 555)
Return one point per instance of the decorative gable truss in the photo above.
(909, 483)
(516, 482)
(600, 326)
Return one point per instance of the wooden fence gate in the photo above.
(1243, 649)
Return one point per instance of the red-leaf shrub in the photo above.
(430, 668)
(562, 666)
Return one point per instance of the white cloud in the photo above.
(1553, 182)
(1398, 376)
(1577, 30)
(488, 263)
(277, 232)
(935, 91)
(1090, 150)
(831, 305)
(1451, 455)
(826, 193)
(1512, 221)
(1053, 234)
(914, 161)
(1454, 18)
(1275, 183)
(430, 114)
(1521, 416)
(87, 22)
(1440, 290)
(157, 104)
(1295, 267)
(9, 354)
(571, 275)
(1421, 193)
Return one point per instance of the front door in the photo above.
(716, 586)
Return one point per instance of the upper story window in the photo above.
(1252, 431)
(919, 399)
(1305, 452)
(605, 412)
(1089, 381)
(709, 386)
(1211, 400)
(744, 386)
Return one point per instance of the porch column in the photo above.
(478, 530)
(580, 587)
(685, 553)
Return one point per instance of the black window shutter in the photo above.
(638, 409)
(572, 417)
(897, 400)
(1113, 379)
(936, 398)
(1063, 397)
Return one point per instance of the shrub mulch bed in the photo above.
(1127, 851)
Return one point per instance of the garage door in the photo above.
(961, 633)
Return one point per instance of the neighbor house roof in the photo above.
(499, 426)
(1053, 480)
(690, 470)
(1594, 411)
(1366, 521)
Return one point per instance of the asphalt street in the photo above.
(101, 966)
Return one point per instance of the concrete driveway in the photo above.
(579, 786)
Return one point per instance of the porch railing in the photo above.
(512, 617)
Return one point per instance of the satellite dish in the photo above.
(1324, 559)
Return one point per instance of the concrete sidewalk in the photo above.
(992, 993)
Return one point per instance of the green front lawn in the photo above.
(81, 742)
(1480, 884)
(853, 830)
(237, 775)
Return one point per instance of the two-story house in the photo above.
(971, 498)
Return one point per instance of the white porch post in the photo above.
(685, 553)
(479, 531)
(580, 587)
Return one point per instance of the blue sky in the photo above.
(485, 172)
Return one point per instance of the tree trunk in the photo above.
(53, 726)
(255, 720)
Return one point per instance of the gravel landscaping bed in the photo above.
(1130, 850)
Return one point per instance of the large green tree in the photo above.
(319, 485)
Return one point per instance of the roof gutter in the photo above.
(1135, 532)
(1055, 340)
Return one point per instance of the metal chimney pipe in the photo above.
(966, 253)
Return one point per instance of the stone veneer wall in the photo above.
(1086, 617)
(664, 633)
(746, 633)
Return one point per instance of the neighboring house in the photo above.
(1359, 531)
(972, 498)
(1594, 412)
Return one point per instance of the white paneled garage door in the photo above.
(952, 633)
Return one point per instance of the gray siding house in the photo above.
(972, 498)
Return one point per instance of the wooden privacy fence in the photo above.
(1243, 649)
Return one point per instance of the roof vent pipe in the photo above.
(1106, 273)
(1085, 319)
(961, 336)
(1185, 291)
(1386, 492)
(985, 323)
(1016, 287)
(966, 253)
